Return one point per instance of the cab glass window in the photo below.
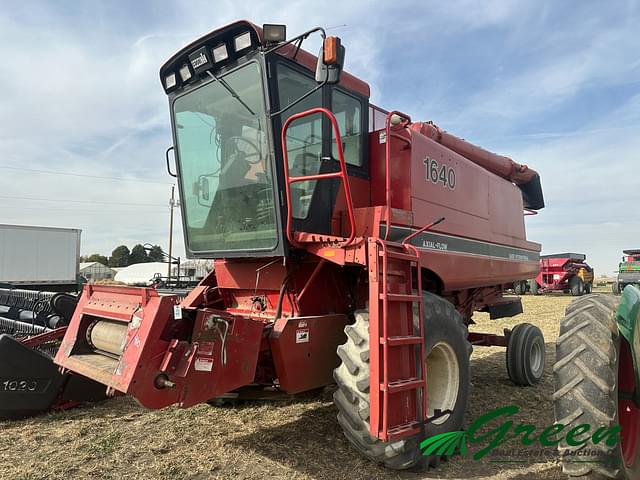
(347, 112)
(304, 136)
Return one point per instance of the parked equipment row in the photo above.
(33, 312)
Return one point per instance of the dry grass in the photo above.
(295, 440)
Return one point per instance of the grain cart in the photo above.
(349, 243)
(566, 272)
(628, 271)
(32, 325)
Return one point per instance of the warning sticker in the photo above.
(177, 312)
(205, 348)
(302, 335)
(203, 364)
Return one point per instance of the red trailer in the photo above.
(565, 272)
(350, 244)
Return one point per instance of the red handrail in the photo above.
(342, 174)
(387, 130)
(406, 241)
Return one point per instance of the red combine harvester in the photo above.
(565, 272)
(349, 243)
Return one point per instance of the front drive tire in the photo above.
(535, 288)
(592, 362)
(576, 286)
(447, 350)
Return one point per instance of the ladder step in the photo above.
(391, 243)
(402, 256)
(402, 340)
(403, 385)
(396, 273)
(401, 297)
(401, 431)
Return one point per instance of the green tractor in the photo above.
(596, 396)
(628, 271)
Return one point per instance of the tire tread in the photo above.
(352, 396)
(585, 376)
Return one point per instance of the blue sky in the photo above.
(555, 85)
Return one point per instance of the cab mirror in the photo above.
(204, 188)
(201, 189)
(330, 61)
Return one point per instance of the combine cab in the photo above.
(350, 244)
(628, 271)
(32, 325)
(564, 272)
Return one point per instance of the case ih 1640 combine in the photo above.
(350, 244)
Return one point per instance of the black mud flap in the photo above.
(29, 380)
(507, 307)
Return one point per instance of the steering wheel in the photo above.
(247, 156)
(312, 136)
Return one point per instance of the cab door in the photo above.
(312, 147)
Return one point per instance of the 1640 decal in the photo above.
(439, 174)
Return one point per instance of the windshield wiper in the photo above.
(231, 91)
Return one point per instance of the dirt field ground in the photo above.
(294, 440)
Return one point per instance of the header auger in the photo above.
(32, 324)
(350, 244)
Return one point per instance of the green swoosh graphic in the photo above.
(445, 444)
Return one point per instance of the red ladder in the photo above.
(398, 379)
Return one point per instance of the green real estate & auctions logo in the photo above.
(480, 433)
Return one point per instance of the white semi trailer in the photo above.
(42, 258)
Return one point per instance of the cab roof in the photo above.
(303, 57)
